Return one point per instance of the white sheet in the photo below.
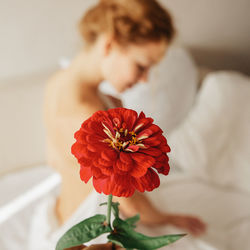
(226, 212)
(214, 140)
(44, 222)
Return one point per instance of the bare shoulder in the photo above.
(59, 94)
(64, 113)
(54, 85)
(52, 92)
(62, 100)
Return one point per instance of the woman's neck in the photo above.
(86, 68)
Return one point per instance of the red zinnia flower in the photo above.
(120, 149)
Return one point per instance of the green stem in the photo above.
(109, 208)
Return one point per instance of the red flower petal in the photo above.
(79, 150)
(96, 172)
(165, 148)
(151, 151)
(163, 170)
(162, 165)
(125, 167)
(138, 170)
(80, 136)
(142, 124)
(132, 148)
(107, 171)
(93, 138)
(152, 141)
(85, 162)
(120, 167)
(126, 158)
(85, 174)
(138, 184)
(141, 116)
(129, 117)
(108, 186)
(92, 148)
(96, 128)
(150, 180)
(109, 155)
(122, 180)
(122, 191)
(141, 164)
(146, 160)
(151, 130)
(116, 114)
(102, 185)
(104, 163)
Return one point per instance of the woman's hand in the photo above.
(150, 216)
(191, 224)
(107, 246)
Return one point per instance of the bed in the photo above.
(216, 162)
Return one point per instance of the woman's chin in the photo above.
(123, 87)
(129, 86)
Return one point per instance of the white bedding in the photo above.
(226, 212)
(210, 162)
(214, 140)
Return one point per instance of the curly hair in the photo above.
(128, 21)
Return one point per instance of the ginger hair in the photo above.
(127, 21)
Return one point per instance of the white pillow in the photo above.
(214, 139)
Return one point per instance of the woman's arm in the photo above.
(149, 215)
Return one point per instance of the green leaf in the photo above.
(115, 209)
(84, 232)
(104, 203)
(125, 234)
(132, 220)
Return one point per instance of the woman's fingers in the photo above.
(191, 224)
(80, 247)
(197, 226)
(107, 246)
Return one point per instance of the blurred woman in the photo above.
(123, 40)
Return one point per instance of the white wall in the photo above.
(216, 31)
(22, 134)
(35, 33)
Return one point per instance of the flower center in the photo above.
(123, 140)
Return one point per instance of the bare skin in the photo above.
(71, 96)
